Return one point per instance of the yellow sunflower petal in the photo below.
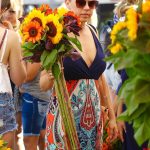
(36, 15)
(57, 28)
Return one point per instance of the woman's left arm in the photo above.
(106, 101)
(46, 80)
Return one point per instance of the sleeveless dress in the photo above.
(85, 101)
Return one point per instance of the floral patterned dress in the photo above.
(85, 101)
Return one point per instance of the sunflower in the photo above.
(36, 15)
(116, 48)
(32, 32)
(132, 23)
(1, 143)
(73, 16)
(55, 28)
(43, 7)
(117, 28)
(61, 11)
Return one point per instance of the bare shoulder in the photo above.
(12, 44)
(13, 36)
(13, 41)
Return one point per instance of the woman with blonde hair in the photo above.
(12, 15)
(10, 55)
(124, 5)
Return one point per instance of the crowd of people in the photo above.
(27, 100)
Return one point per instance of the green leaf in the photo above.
(142, 92)
(62, 48)
(44, 37)
(128, 60)
(141, 109)
(137, 122)
(68, 47)
(147, 58)
(126, 92)
(29, 45)
(143, 70)
(131, 72)
(75, 41)
(136, 114)
(116, 59)
(142, 134)
(56, 70)
(50, 59)
(43, 56)
(138, 135)
(124, 116)
(27, 53)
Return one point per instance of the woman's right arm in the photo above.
(17, 67)
(32, 71)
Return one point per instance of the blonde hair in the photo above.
(17, 6)
(124, 5)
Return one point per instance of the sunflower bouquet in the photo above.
(44, 34)
(45, 39)
(130, 49)
(3, 145)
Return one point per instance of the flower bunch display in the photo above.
(3, 145)
(130, 50)
(45, 39)
(44, 34)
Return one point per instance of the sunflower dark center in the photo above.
(38, 20)
(33, 32)
(52, 29)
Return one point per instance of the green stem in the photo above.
(69, 130)
(67, 114)
(68, 101)
(64, 102)
(61, 108)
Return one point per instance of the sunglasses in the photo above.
(81, 4)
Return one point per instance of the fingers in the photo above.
(8, 25)
(121, 129)
(121, 135)
(124, 127)
(50, 76)
(113, 131)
